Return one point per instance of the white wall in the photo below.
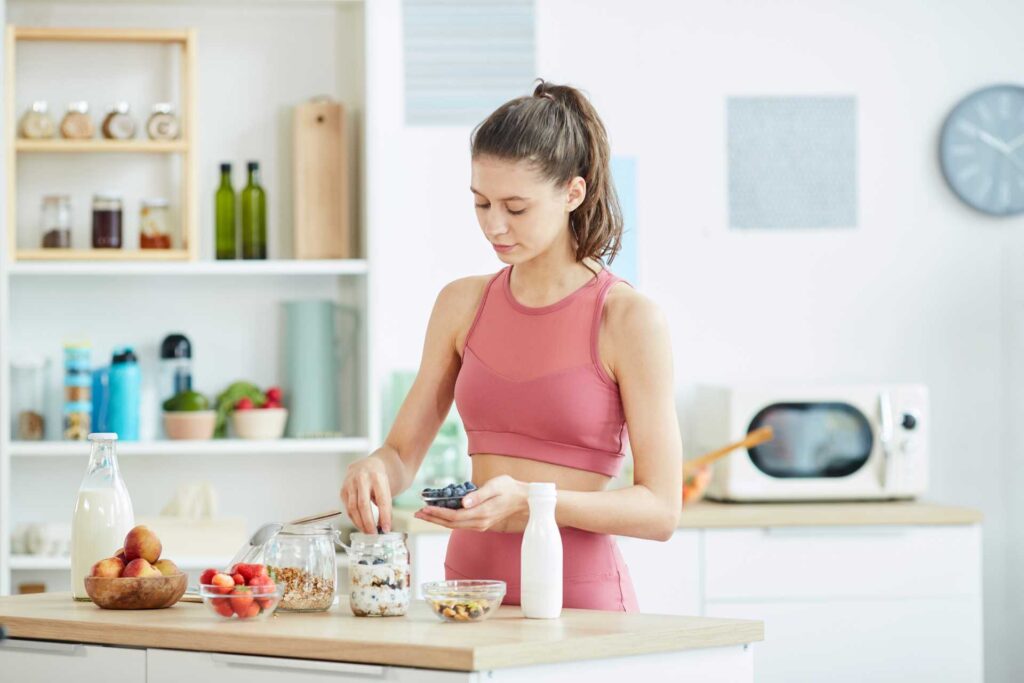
(915, 293)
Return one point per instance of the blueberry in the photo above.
(470, 486)
(449, 491)
(363, 562)
(425, 492)
(460, 491)
(379, 560)
(454, 504)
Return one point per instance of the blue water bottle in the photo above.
(125, 390)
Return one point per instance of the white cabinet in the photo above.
(666, 575)
(853, 603)
(37, 661)
(173, 666)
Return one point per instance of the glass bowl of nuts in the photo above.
(464, 601)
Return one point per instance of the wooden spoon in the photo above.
(754, 438)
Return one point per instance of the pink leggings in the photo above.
(594, 576)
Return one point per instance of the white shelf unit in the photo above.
(230, 309)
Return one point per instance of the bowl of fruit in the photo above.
(136, 577)
(449, 496)
(254, 414)
(464, 601)
(247, 592)
(187, 415)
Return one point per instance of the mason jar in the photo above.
(302, 557)
(378, 570)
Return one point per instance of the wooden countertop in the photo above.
(416, 640)
(712, 515)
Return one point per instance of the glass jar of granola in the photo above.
(378, 569)
(302, 557)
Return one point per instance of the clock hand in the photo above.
(993, 141)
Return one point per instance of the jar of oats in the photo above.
(302, 557)
(378, 569)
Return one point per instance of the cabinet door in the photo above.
(666, 575)
(852, 641)
(803, 563)
(173, 666)
(40, 661)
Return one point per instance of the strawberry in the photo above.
(271, 404)
(241, 600)
(239, 579)
(223, 583)
(274, 395)
(244, 403)
(248, 571)
(223, 607)
(207, 577)
(252, 611)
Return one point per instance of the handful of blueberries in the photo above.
(448, 497)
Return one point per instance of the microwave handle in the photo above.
(886, 432)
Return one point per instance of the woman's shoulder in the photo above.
(464, 293)
(628, 312)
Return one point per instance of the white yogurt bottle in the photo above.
(541, 557)
(103, 512)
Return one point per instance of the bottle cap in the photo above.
(39, 106)
(125, 355)
(175, 346)
(103, 436)
(120, 107)
(225, 167)
(253, 165)
(80, 106)
(541, 489)
(163, 108)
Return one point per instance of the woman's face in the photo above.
(521, 213)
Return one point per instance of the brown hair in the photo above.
(557, 129)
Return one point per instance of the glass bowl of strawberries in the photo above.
(247, 592)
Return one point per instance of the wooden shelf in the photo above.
(97, 146)
(332, 446)
(64, 255)
(239, 268)
(101, 35)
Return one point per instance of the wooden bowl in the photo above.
(136, 593)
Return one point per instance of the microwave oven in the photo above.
(842, 442)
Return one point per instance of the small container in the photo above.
(107, 219)
(28, 397)
(162, 123)
(464, 601)
(378, 570)
(77, 124)
(77, 391)
(154, 232)
(249, 603)
(302, 557)
(55, 221)
(119, 124)
(36, 123)
(259, 423)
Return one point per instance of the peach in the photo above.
(140, 568)
(141, 542)
(167, 568)
(120, 555)
(109, 568)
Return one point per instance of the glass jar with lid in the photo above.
(118, 124)
(163, 124)
(77, 124)
(302, 557)
(378, 570)
(55, 221)
(36, 123)
(154, 232)
(106, 220)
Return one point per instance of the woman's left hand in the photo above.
(498, 505)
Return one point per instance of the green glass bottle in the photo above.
(254, 216)
(227, 228)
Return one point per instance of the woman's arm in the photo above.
(390, 469)
(640, 356)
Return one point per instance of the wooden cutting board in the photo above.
(320, 182)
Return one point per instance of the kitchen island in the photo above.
(50, 637)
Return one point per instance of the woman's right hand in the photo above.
(367, 481)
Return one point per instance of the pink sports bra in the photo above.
(532, 385)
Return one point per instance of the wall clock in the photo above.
(981, 150)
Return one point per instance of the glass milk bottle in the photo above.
(103, 512)
(541, 559)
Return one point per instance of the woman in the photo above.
(548, 361)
